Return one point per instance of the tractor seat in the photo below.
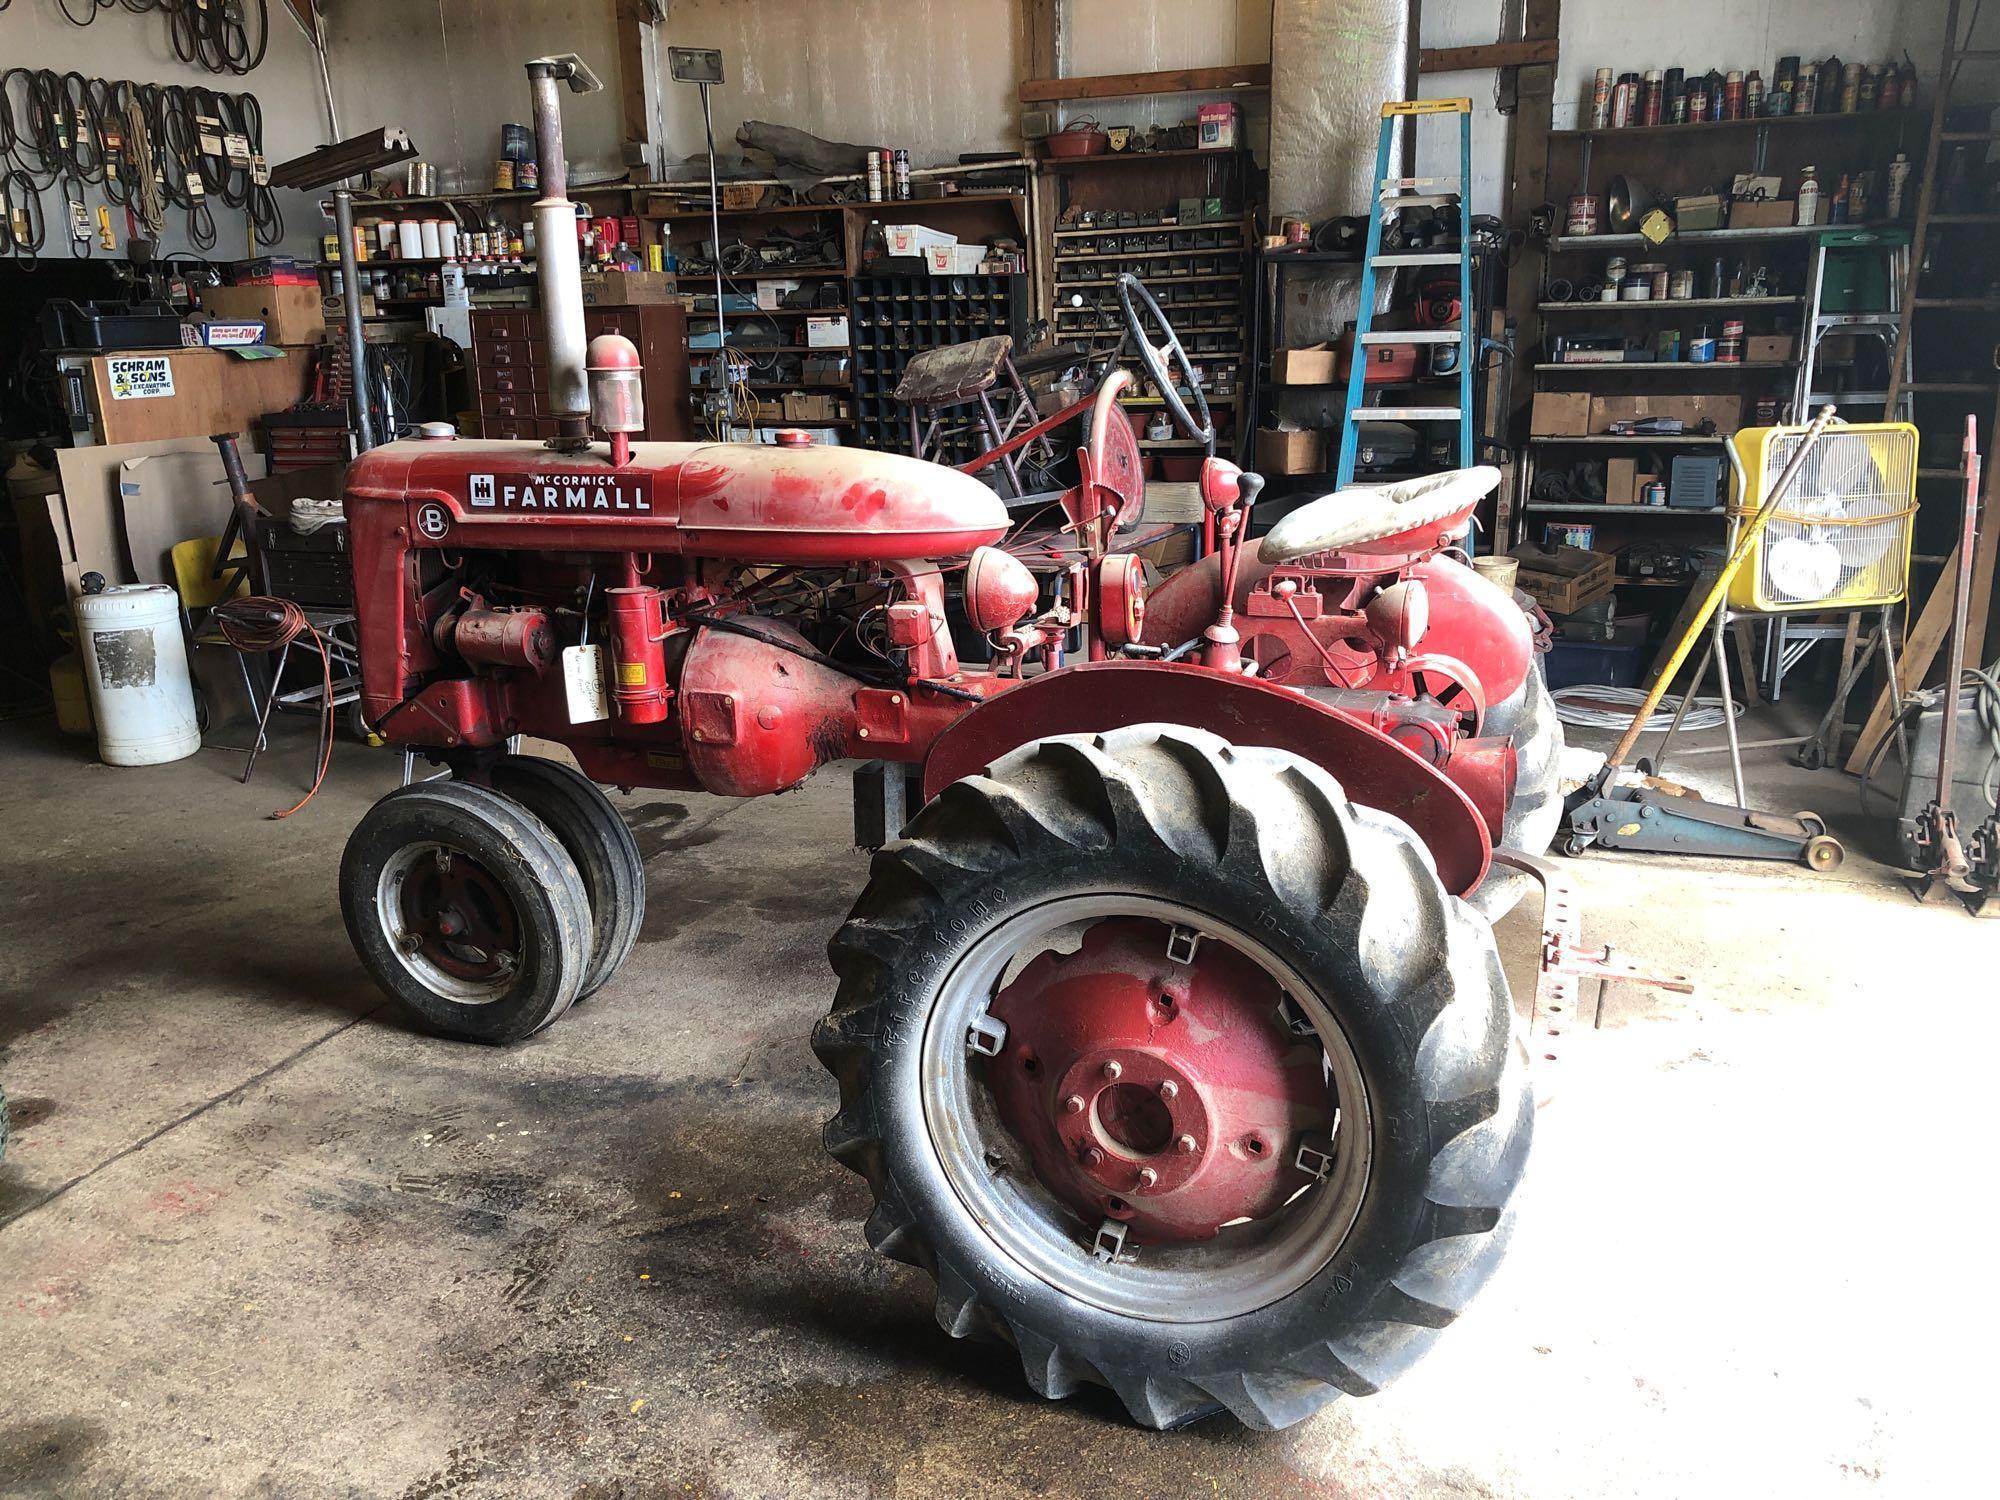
(1371, 512)
(1050, 357)
(955, 373)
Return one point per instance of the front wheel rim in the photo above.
(1247, 1265)
(449, 923)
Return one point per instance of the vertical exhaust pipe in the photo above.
(557, 268)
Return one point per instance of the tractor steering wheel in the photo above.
(1132, 294)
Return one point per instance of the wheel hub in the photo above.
(456, 915)
(1155, 1081)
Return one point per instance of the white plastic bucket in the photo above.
(136, 668)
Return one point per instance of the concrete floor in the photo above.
(259, 1237)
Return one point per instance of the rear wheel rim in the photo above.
(1247, 1265)
(449, 923)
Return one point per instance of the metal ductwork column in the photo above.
(1336, 65)
(559, 271)
(1338, 62)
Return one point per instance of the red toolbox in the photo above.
(1386, 362)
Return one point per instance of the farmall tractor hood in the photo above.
(756, 501)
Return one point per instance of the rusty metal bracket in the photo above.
(1560, 1010)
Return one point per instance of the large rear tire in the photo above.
(463, 905)
(1259, 852)
(1530, 718)
(607, 856)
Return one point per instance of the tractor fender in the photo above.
(1098, 696)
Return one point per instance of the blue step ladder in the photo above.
(1391, 195)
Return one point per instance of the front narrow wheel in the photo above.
(1178, 1072)
(464, 906)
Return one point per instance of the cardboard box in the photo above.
(1312, 365)
(1565, 580)
(627, 288)
(1560, 414)
(826, 333)
(738, 196)
(290, 314)
(1773, 346)
(771, 294)
(1768, 213)
(915, 239)
(1621, 481)
(1218, 127)
(1725, 411)
(809, 406)
(1291, 452)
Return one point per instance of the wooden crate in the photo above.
(1565, 580)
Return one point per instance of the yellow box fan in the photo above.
(1841, 537)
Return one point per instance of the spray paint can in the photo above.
(1624, 95)
(1697, 99)
(1653, 98)
(1899, 178)
(1600, 100)
(1732, 95)
(1717, 94)
(874, 178)
(1676, 97)
(1753, 96)
(1806, 100)
(902, 173)
(1850, 89)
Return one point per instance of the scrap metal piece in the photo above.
(1557, 1010)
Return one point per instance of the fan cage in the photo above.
(1840, 539)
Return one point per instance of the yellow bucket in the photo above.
(72, 698)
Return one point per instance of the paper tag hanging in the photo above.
(79, 221)
(583, 684)
(208, 134)
(260, 170)
(195, 189)
(237, 148)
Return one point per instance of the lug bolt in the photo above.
(1073, 1104)
(1186, 1145)
(1113, 1069)
(1147, 1177)
(1169, 1089)
(1092, 1156)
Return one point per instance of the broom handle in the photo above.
(1719, 588)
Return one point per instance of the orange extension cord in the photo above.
(262, 624)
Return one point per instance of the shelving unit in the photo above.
(885, 324)
(1677, 160)
(1195, 265)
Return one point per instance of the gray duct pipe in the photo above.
(1333, 65)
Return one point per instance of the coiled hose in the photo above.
(1612, 708)
(260, 624)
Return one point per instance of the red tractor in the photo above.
(1164, 1034)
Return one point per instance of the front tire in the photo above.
(607, 856)
(463, 905)
(1396, 983)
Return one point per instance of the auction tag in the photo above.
(583, 683)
